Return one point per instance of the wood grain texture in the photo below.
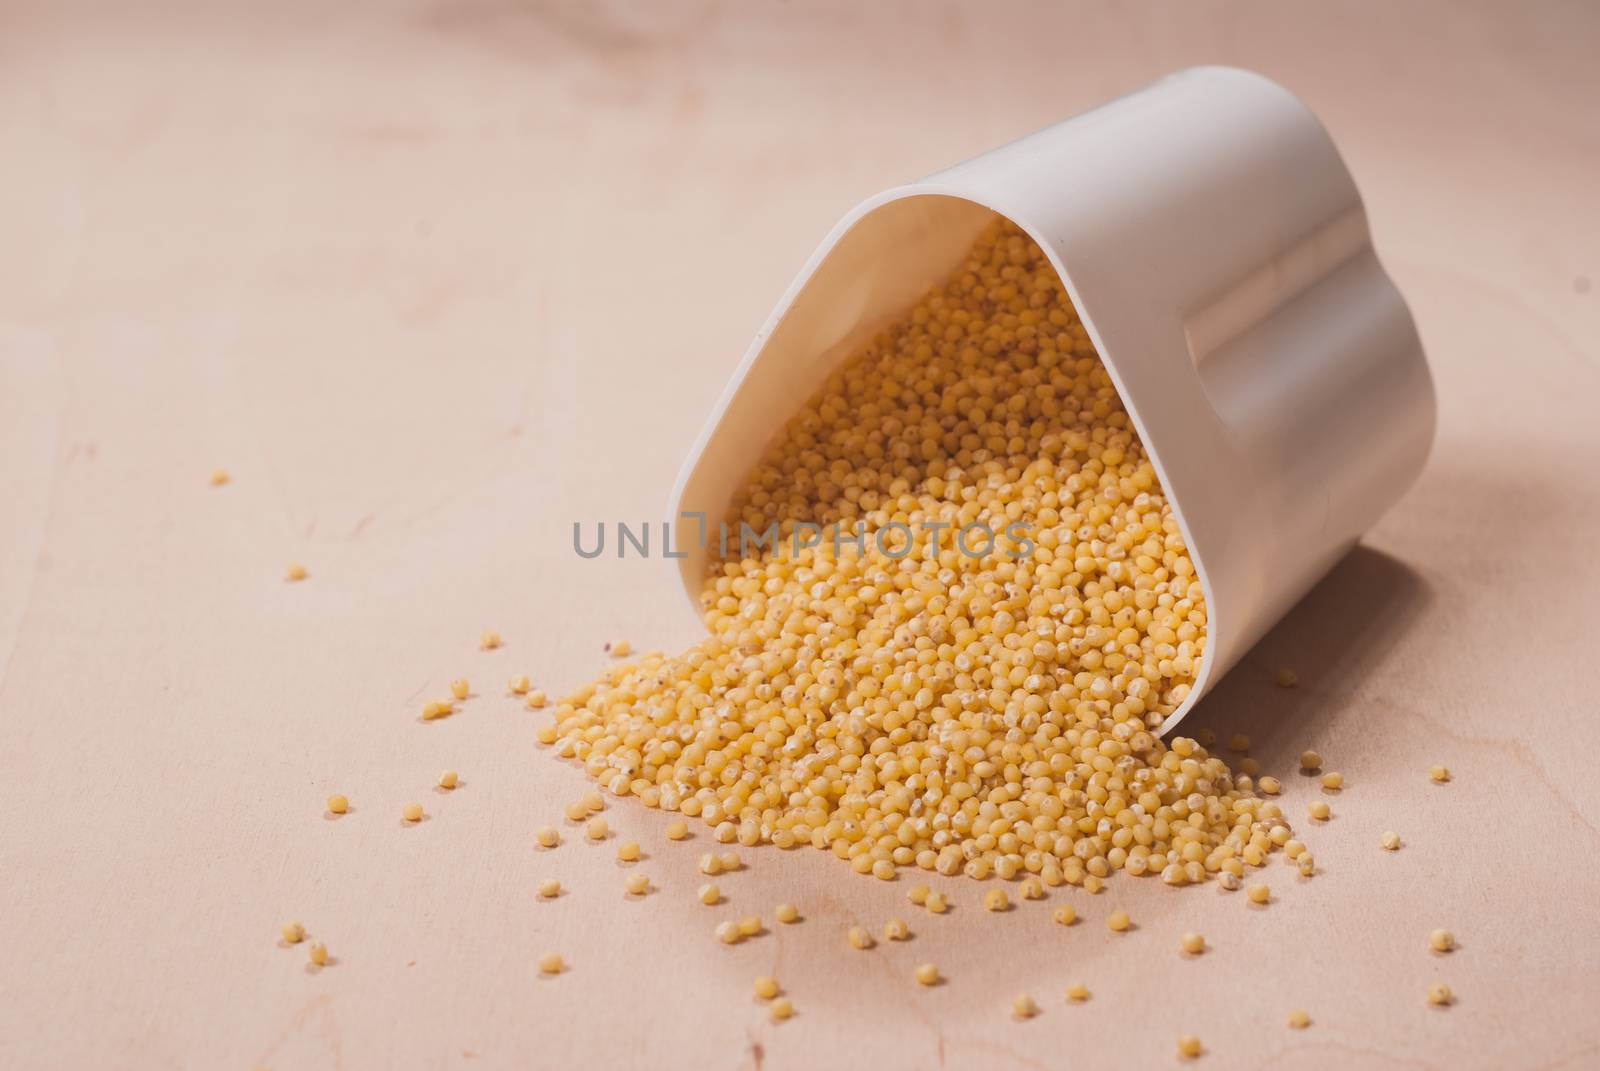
(435, 280)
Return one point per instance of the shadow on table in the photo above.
(1333, 639)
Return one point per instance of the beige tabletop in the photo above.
(435, 280)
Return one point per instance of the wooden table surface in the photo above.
(435, 280)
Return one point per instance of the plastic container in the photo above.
(1218, 253)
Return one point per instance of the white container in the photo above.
(1217, 251)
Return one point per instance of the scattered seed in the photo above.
(1023, 1007)
(1439, 994)
(1442, 941)
(1440, 774)
(1319, 810)
(1259, 894)
(749, 926)
(927, 974)
(597, 829)
(677, 829)
(293, 932)
(412, 812)
(1391, 841)
(782, 1008)
(1299, 1020)
(896, 930)
(1065, 915)
(1078, 993)
(621, 649)
(628, 851)
(996, 900)
(1192, 943)
(295, 572)
(319, 953)
(1310, 761)
(536, 701)
(547, 836)
(709, 894)
(1333, 781)
(766, 987)
(519, 685)
(860, 938)
(786, 913)
(460, 688)
(1118, 921)
(449, 779)
(1189, 1046)
(552, 963)
(937, 902)
(489, 639)
(636, 884)
(1270, 786)
(338, 804)
(1238, 742)
(219, 477)
(549, 888)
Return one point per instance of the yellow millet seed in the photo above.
(519, 685)
(1441, 941)
(896, 930)
(677, 829)
(766, 987)
(621, 649)
(1192, 943)
(859, 937)
(996, 900)
(1023, 1007)
(412, 812)
(536, 699)
(709, 894)
(749, 926)
(1299, 1020)
(1189, 1046)
(1440, 774)
(1439, 994)
(594, 801)
(786, 913)
(577, 812)
(926, 974)
(1270, 786)
(460, 688)
(636, 884)
(295, 572)
(551, 963)
(549, 888)
(1391, 841)
(1033, 674)
(1259, 894)
(489, 639)
(1065, 915)
(1118, 921)
(319, 953)
(547, 836)
(728, 933)
(710, 864)
(628, 851)
(597, 829)
(219, 477)
(1031, 889)
(338, 804)
(1310, 761)
(782, 1008)
(293, 932)
(439, 708)
(1077, 993)
(1319, 810)
(449, 779)
(1333, 781)
(918, 894)
(937, 902)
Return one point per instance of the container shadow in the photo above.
(1333, 639)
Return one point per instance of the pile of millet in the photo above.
(902, 698)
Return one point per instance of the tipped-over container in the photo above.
(1217, 252)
